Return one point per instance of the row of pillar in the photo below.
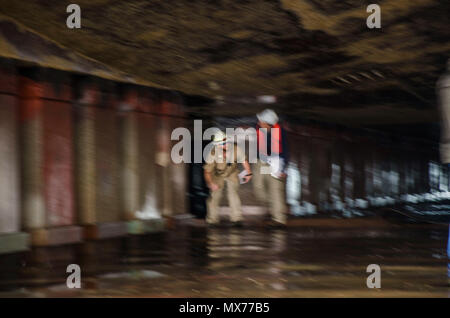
(84, 159)
(336, 170)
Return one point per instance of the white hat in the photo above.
(220, 138)
(268, 116)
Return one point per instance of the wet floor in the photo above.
(326, 260)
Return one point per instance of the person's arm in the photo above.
(242, 158)
(208, 169)
(247, 168)
(209, 182)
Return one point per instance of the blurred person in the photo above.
(218, 171)
(270, 174)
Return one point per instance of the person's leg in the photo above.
(259, 187)
(212, 205)
(278, 200)
(233, 200)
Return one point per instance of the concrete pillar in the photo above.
(359, 154)
(11, 238)
(415, 171)
(443, 91)
(348, 175)
(424, 174)
(401, 159)
(336, 192)
(368, 173)
(293, 182)
(305, 161)
(130, 154)
(163, 166)
(47, 160)
(179, 171)
(161, 183)
(377, 173)
(340, 160)
(31, 137)
(147, 176)
(57, 153)
(173, 116)
(97, 156)
(107, 135)
(146, 216)
(386, 169)
(395, 171)
(85, 154)
(321, 168)
(172, 178)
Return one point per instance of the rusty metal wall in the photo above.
(9, 163)
(106, 165)
(47, 166)
(58, 163)
(179, 174)
(147, 200)
(30, 108)
(73, 155)
(97, 140)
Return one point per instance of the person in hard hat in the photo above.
(221, 168)
(270, 173)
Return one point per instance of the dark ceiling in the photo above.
(317, 56)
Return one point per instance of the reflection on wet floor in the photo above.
(325, 261)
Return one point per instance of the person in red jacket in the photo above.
(270, 174)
